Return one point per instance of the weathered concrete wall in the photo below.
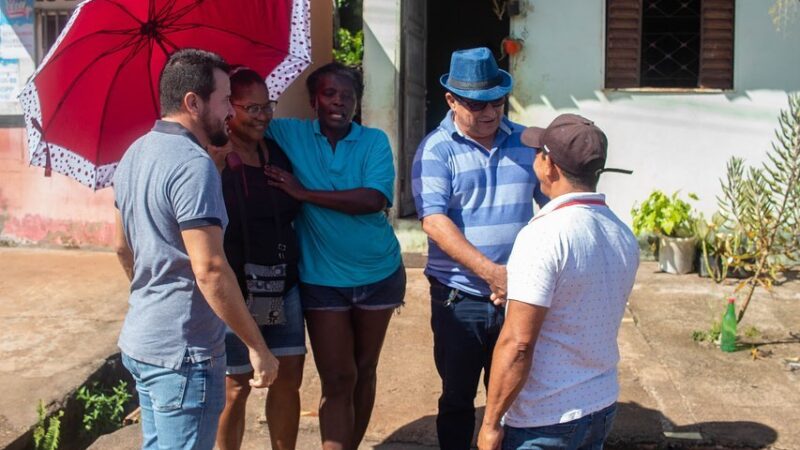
(381, 103)
(55, 210)
(60, 211)
(672, 140)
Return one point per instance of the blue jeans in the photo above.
(180, 408)
(587, 433)
(465, 330)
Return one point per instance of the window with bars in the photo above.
(669, 44)
(51, 18)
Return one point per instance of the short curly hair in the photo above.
(338, 69)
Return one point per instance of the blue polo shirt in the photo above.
(339, 249)
(487, 194)
(165, 184)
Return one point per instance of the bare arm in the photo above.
(351, 201)
(217, 282)
(449, 238)
(124, 253)
(511, 363)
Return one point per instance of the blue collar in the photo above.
(167, 127)
(353, 135)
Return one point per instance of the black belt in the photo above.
(457, 295)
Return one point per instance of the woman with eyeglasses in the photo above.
(262, 248)
(351, 274)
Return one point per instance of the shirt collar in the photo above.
(353, 135)
(564, 198)
(168, 127)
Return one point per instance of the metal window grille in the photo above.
(51, 18)
(670, 43)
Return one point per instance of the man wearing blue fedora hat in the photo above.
(473, 185)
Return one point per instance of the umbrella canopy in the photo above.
(96, 91)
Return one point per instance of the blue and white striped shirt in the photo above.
(488, 195)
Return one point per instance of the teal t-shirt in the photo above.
(339, 249)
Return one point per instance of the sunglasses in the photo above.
(543, 149)
(475, 105)
(256, 109)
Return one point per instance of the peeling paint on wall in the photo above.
(35, 229)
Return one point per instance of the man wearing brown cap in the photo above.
(570, 273)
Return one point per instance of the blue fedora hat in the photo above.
(474, 75)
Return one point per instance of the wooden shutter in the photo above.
(623, 43)
(716, 44)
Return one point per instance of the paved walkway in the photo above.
(60, 312)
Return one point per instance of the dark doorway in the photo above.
(431, 31)
(455, 25)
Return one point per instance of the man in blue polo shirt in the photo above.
(474, 187)
(170, 221)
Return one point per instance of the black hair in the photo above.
(188, 70)
(586, 181)
(338, 69)
(241, 78)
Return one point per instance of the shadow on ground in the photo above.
(635, 427)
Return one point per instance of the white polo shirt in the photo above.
(580, 261)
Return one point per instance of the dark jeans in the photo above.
(587, 433)
(465, 330)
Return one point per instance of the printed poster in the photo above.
(17, 47)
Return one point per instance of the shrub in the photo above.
(103, 410)
(47, 433)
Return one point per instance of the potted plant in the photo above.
(721, 252)
(673, 221)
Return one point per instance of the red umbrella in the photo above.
(96, 91)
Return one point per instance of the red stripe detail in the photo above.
(572, 203)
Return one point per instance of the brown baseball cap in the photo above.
(574, 143)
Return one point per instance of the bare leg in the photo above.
(231, 422)
(283, 403)
(370, 330)
(331, 335)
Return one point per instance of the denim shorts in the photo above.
(288, 339)
(384, 294)
(180, 408)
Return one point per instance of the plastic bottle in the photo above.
(728, 338)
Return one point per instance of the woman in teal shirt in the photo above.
(351, 273)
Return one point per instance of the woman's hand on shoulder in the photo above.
(285, 181)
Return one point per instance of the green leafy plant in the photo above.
(710, 335)
(349, 49)
(103, 410)
(763, 205)
(723, 251)
(664, 215)
(47, 432)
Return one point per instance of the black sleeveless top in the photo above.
(262, 204)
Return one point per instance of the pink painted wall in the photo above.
(55, 210)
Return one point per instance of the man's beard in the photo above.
(217, 135)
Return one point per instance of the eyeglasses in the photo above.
(475, 105)
(544, 149)
(256, 109)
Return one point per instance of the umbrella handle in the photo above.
(48, 168)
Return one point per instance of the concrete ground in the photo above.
(61, 310)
